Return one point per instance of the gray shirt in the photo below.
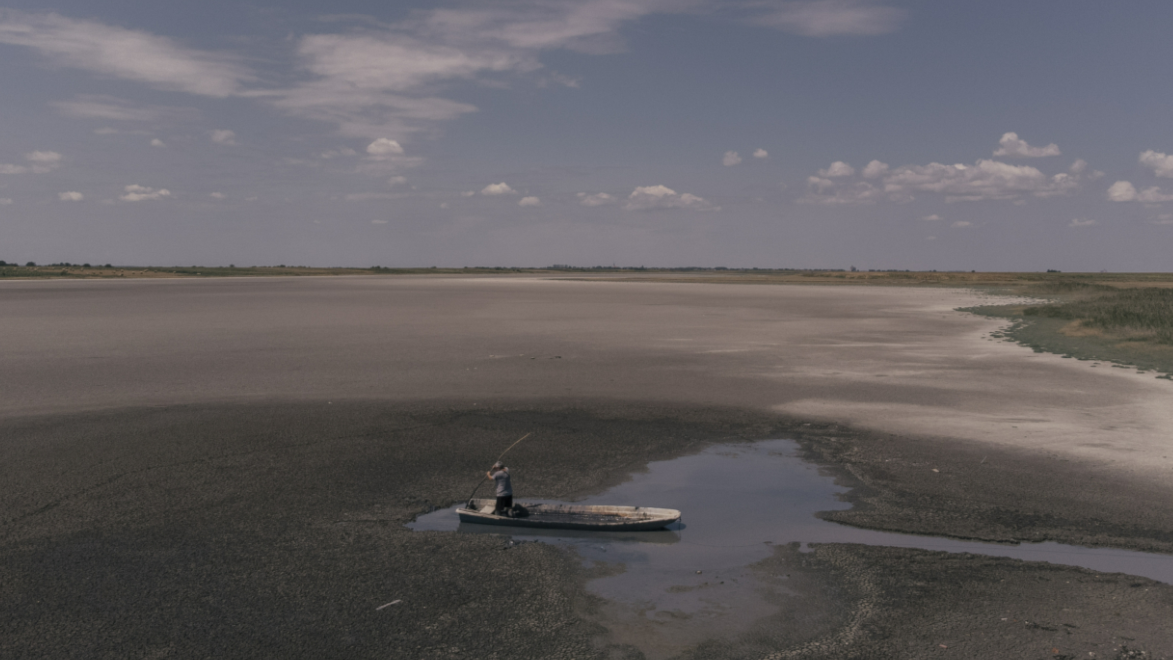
(504, 488)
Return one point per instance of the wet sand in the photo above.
(224, 467)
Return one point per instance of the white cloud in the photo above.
(156, 142)
(1080, 222)
(837, 169)
(137, 193)
(378, 222)
(1163, 219)
(961, 224)
(122, 53)
(43, 157)
(875, 169)
(498, 189)
(932, 218)
(1161, 164)
(70, 196)
(383, 147)
(761, 153)
(5, 201)
(468, 193)
(216, 195)
(1012, 145)
(530, 201)
(397, 181)
(597, 199)
(1124, 191)
(649, 198)
(825, 18)
(385, 81)
(985, 180)
(730, 159)
(223, 136)
(40, 162)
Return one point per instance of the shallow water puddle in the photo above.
(680, 586)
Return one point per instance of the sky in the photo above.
(906, 134)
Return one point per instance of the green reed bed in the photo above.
(1135, 314)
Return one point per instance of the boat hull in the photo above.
(573, 516)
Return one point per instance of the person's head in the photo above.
(498, 465)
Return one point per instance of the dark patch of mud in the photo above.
(944, 487)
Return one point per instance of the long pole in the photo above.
(474, 490)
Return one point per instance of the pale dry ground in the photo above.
(886, 359)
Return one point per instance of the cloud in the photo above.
(5, 201)
(1079, 222)
(156, 142)
(122, 53)
(98, 106)
(837, 169)
(223, 136)
(40, 162)
(216, 195)
(827, 18)
(875, 169)
(1012, 145)
(597, 199)
(649, 198)
(43, 161)
(137, 193)
(530, 201)
(70, 196)
(336, 153)
(761, 153)
(388, 81)
(932, 218)
(1161, 164)
(961, 224)
(383, 147)
(397, 181)
(730, 159)
(985, 180)
(468, 193)
(1124, 191)
(498, 189)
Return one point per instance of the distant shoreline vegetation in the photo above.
(1126, 323)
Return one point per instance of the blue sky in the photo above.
(814, 133)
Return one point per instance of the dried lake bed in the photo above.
(225, 467)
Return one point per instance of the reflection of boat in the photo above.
(571, 516)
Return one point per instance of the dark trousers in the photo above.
(504, 503)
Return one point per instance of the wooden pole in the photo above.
(474, 490)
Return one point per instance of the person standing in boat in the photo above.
(500, 475)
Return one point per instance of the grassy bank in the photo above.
(1129, 324)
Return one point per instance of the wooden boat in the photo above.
(571, 516)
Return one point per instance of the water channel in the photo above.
(694, 579)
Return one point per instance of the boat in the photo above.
(570, 516)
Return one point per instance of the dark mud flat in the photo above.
(277, 530)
